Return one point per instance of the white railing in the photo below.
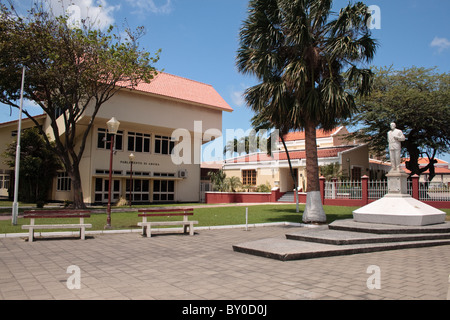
(434, 191)
(343, 190)
(377, 189)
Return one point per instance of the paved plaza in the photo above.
(205, 267)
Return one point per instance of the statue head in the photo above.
(393, 125)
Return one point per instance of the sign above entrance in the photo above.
(156, 164)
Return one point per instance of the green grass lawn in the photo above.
(214, 216)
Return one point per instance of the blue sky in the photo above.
(199, 39)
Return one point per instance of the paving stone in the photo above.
(205, 267)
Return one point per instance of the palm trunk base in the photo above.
(314, 212)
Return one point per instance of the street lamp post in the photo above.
(131, 157)
(113, 127)
(15, 207)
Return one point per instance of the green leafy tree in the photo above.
(303, 55)
(332, 170)
(38, 166)
(418, 101)
(69, 71)
(264, 188)
(217, 178)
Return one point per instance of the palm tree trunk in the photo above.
(292, 174)
(314, 212)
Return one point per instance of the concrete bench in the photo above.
(147, 213)
(56, 214)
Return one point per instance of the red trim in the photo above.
(243, 197)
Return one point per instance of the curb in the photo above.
(159, 230)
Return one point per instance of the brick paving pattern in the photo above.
(205, 267)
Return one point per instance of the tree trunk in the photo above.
(314, 212)
(413, 163)
(292, 174)
(78, 199)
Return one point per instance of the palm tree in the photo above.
(303, 54)
(263, 120)
(244, 145)
(232, 184)
(217, 179)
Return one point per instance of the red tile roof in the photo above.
(175, 87)
(425, 161)
(300, 135)
(440, 167)
(294, 155)
(437, 170)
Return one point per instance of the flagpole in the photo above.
(15, 208)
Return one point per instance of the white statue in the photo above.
(395, 137)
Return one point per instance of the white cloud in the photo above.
(237, 96)
(440, 43)
(153, 6)
(97, 13)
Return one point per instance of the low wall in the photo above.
(238, 197)
(243, 197)
(275, 194)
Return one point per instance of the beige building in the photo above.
(148, 116)
(259, 168)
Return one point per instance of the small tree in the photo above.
(38, 166)
(332, 170)
(217, 179)
(232, 184)
(264, 187)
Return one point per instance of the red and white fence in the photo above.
(344, 193)
(360, 193)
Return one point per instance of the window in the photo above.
(4, 181)
(64, 183)
(161, 174)
(163, 190)
(139, 173)
(140, 192)
(104, 138)
(101, 190)
(116, 172)
(164, 145)
(249, 177)
(58, 112)
(138, 142)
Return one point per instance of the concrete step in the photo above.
(336, 237)
(351, 225)
(349, 238)
(287, 197)
(285, 250)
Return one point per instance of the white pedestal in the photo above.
(398, 207)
